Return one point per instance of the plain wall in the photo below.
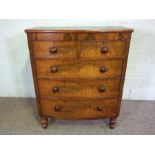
(15, 70)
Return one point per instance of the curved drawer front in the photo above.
(102, 49)
(99, 88)
(53, 36)
(75, 69)
(66, 109)
(104, 36)
(43, 49)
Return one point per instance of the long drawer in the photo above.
(78, 69)
(98, 88)
(78, 109)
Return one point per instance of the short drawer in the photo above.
(71, 109)
(78, 69)
(98, 88)
(43, 49)
(102, 49)
(53, 36)
(111, 36)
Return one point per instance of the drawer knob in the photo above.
(54, 69)
(101, 89)
(103, 69)
(53, 50)
(57, 108)
(104, 50)
(56, 89)
(99, 108)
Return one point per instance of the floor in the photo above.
(18, 116)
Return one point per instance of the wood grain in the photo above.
(78, 69)
(80, 29)
(63, 49)
(104, 36)
(78, 109)
(78, 88)
(53, 36)
(94, 49)
(79, 74)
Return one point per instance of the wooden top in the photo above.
(81, 29)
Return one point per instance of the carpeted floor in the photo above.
(19, 116)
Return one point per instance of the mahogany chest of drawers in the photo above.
(79, 72)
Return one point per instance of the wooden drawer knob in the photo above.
(54, 69)
(53, 50)
(104, 50)
(103, 69)
(55, 89)
(101, 89)
(57, 108)
(99, 108)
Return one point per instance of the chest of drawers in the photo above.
(79, 72)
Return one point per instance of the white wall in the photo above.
(15, 70)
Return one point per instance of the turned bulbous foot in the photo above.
(44, 122)
(112, 123)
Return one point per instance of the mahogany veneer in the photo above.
(79, 72)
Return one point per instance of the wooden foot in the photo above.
(112, 123)
(44, 122)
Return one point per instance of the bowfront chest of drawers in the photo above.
(79, 72)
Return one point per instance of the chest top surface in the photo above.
(80, 29)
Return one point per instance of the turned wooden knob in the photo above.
(57, 108)
(56, 89)
(103, 69)
(101, 89)
(54, 69)
(53, 50)
(99, 108)
(104, 50)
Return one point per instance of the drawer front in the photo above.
(53, 36)
(99, 88)
(75, 69)
(102, 49)
(43, 49)
(67, 109)
(104, 36)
